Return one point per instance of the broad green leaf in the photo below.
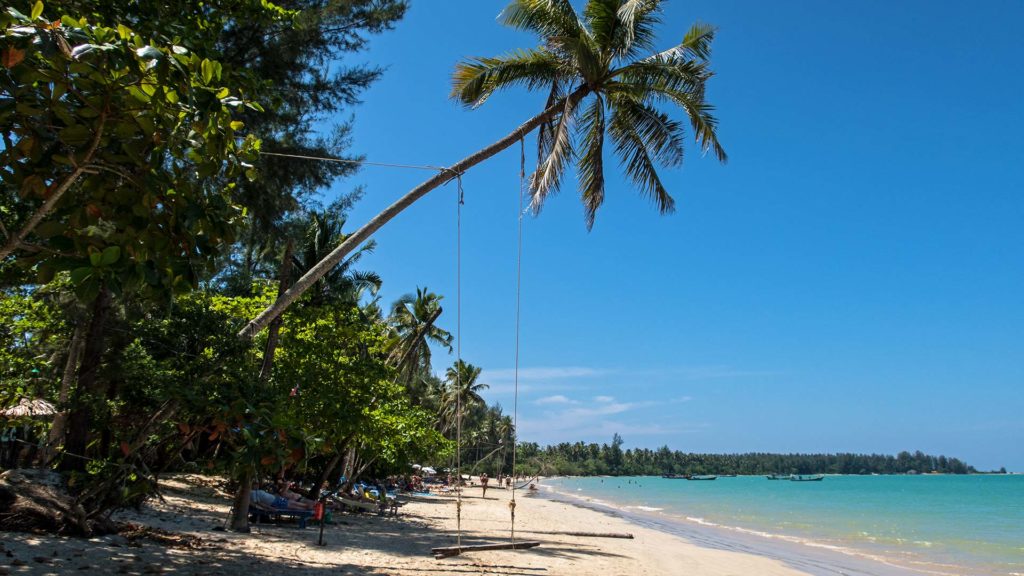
(76, 135)
(138, 94)
(237, 125)
(110, 255)
(207, 70)
(37, 10)
(78, 275)
(124, 32)
(95, 257)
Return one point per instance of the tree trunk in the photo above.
(284, 280)
(348, 467)
(325, 475)
(240, 517)
(359, 236)
(87, 391)
(240, 511)
(56, 436)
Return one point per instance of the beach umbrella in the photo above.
(30, 408)
(428, 470)
(416, 466)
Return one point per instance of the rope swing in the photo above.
(447, 552)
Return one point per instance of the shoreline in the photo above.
(809, 557)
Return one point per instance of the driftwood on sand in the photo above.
(624, 535)
(449, 551)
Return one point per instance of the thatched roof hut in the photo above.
(30, 408)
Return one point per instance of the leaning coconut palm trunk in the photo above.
(603, 81)
(359, 236)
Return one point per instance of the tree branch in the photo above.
(14, 242)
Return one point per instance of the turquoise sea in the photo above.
(927, 524)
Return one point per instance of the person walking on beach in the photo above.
(483, 483)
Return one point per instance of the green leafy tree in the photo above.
(119, 156)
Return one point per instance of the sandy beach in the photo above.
(187, 540)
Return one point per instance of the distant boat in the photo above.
(674, 476)
(807, 477)
(779, 476)
(702, 477)
(726, 475)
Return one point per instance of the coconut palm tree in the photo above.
(603, 81)
(342, 283)
(413, 322)
(462, 393)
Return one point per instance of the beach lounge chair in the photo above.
(354, 504)
(257, 512)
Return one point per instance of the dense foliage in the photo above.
(581, 459)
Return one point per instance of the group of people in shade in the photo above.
(282, 496)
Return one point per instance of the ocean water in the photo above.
(927, 524)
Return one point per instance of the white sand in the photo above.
(369, 544)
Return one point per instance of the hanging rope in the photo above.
(519, 285)
(458, 363)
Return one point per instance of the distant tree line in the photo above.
(582, 459)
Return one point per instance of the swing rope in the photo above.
(458, 363)
(519, 286)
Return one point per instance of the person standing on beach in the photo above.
(483, 483)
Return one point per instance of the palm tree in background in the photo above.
(341, 284)
(413, 320)
(462, 393)
(604, 81)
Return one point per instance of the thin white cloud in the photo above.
(604, 399)
(556, 399)
(680, 399)
(603, 409)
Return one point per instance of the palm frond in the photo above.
(637, 31)
(662, 136)
(636, 161)
(671, 71)
(696, 44)
(623, 28)
(546, 131)
(580, 56)
(366, 280)
(548, 176)
(591, 161)
(702, 119)
(474, 80)
(546, 18)
(602, 18)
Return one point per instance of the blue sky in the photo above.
(851, 280)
